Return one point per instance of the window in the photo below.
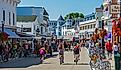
(41, 30)
(93, 25)
(88, 26)
(3, 15)
(34, 27)
(80, 28)
(13, 19)
(10, 2)
(85, 27)
(9, 18)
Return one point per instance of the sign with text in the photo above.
(114, 8)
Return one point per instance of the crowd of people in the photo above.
(11, 50)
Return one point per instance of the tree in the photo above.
(74, 15)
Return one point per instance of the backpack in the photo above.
(76, 50)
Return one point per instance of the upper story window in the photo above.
(9, 18)
(93, 25)
(88, 26)
(3, 15)
(13, 19)
(10, 2)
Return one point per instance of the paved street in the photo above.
(49, 64)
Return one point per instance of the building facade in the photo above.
(28, 24)
(8, 15)
(52, 27)
(42, 18)
(87, 27)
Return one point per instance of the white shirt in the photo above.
(115, 48)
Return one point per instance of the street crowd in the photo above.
(12, 50)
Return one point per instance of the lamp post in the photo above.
(3, 22)
(103, 44)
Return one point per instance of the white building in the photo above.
(60, 22)
(52, 27)
(87, 27)
(40, 24)
(28, 24)
(70, 28)
(8, 15)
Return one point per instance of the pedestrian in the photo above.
(116, 56)
(61, 50)
(109, 49)
(76, 52)
(42, 53)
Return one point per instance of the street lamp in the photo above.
(103, 44)
(3, 22)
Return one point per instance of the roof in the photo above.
(69, 17)
(26, 18)
(60, 18)
(45, 12)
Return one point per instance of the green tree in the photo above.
(74, 15)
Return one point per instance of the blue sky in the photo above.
(62, 7)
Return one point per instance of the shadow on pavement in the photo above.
(75, 64)
(24, 62)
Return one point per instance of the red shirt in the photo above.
(109, 46)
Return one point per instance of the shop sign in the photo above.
(114, 8)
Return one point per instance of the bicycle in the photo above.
(61, 57)
(100, 64)
(76, 58)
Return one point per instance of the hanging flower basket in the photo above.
(3, 36)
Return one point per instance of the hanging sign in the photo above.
(114, 9)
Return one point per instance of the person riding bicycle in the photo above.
(61, 51)
(76, 51)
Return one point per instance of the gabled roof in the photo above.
(69, 17)
(45, 12)
(26, 18)
(60, 18)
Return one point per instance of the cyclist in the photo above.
(76, 52)
(61, 51)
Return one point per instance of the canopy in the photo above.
(11, 33)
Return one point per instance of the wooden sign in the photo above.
(114, 9)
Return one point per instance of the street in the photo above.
(49, 64)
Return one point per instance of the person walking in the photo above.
(61, 51)
(76, 52)
(116, 56)
(109, 49)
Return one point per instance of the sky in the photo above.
(55, 8)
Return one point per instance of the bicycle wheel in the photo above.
(107, 65)
(92, 65)
(76, 62)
